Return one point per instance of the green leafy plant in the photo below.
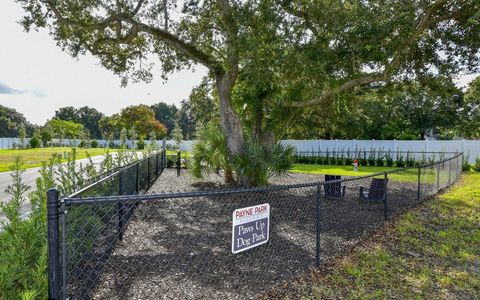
(379, 158)
(363, 159)
(371, 157)
(389, 159)
(466, 167)
(259, 163)
(410, 160)
(476, 167)
(209, 154)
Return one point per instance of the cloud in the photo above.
(5, 89)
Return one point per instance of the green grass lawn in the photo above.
(34, 157)
(431, 252)
(409, 175)
(337, 170)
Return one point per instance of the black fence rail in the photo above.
(132, 179)
(187, 245)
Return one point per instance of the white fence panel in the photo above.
(469, 147)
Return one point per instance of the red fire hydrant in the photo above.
(355, 165)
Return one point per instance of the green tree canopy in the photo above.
(11, 122)
(64, 129)
(139, 117)
(85, 115)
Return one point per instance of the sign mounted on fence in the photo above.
(250, 227)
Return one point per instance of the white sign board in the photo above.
(250, 227)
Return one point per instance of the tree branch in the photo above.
(423, 23)
(137, 27)
(285, 4)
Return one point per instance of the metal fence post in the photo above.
(137, 175)
(148, 172)
(178, 162)
(419, 184)
(156, 164)
(53, 245)
(120, 206)
(317, 225)
(438, 177)
(449, 172)
(385, 202)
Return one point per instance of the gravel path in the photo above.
(181, 248)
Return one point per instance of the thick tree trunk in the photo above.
(261, 134)
(229, 119)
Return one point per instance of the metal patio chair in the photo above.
(376, 192)
(334, 190)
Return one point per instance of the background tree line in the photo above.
(408, 111)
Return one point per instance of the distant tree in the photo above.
(469, 126)
(45, 135)
(22, 134)
(10, 121)
(142, 118)
(65, 129)
(203, 103)
(177, 135)
(186, 120)
(165, 113)
(87, 116)
(107, 126)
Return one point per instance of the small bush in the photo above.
(476, 167)
(171, 161)
(379, 160)
(141, 144)
(410, 162)
(111, 145)
(348, 161)
(371, 159)
(94, 144)
(389, 160)
(34, 142)
(83, 144)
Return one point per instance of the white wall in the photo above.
(469, 147)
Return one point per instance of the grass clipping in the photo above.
(430, 252)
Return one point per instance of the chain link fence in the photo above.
(111, 241)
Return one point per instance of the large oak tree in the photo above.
(284, 53)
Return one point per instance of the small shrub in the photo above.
(371, 158)
(389, 160)
(111, 145)
(94, 144)
(410, 162)
(171, 161)
(348, 161)
(466, 167)
(476, 167)
(379, 159)
(140, 143)
(34, 142)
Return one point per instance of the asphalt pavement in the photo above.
(29, 177)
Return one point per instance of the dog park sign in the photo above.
(250, 227)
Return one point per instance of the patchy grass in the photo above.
(34, 157)
(431, 252)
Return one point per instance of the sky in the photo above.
(37, 78)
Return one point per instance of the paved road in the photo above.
(29, 177)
